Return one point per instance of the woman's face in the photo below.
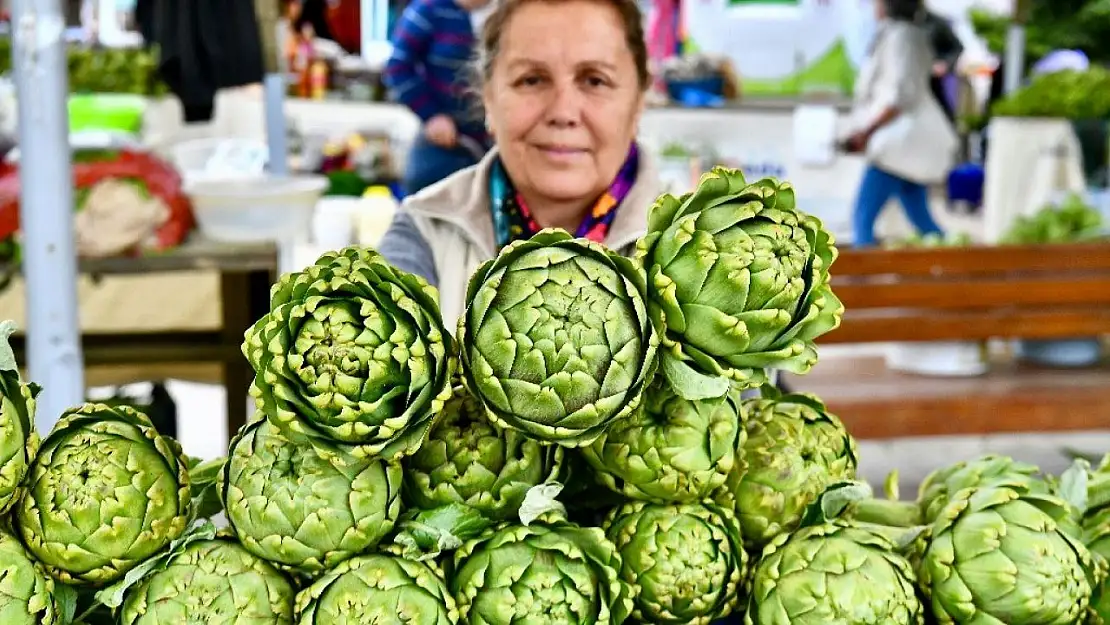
(880, 9)
(563, 99)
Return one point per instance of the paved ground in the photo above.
(915, 458)
(203, 433)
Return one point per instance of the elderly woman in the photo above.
(562, 83)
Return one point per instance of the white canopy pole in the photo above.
(270, 26)
(1014, 68)
(46, 207)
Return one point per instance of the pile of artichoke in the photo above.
(595, 443)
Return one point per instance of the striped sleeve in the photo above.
(412, 38)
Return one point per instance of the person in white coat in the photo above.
(898, 124)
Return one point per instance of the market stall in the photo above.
(621, 463)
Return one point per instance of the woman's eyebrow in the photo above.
(590, 63)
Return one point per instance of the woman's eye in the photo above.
(529, 81)
(595, 81)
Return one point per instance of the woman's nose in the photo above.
(565, 107)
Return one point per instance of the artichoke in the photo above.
(306, 507)
(1090, 495)
(1001, 555)
(105, 492)
(1096, 535)
(835, 572)
(550, 571)
(988, 470)
(353, 351)
(555, 340)
(18, 440)
(214, 582)
(795, 450)
(671, 450)
(740, 278)
(685, 563)
(26, 591)
(467, 460)
(379, 588)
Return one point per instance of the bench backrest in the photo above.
(972, 293)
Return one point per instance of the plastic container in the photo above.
(939, 358)
(106, 111)
(333, 225)
(219, 159)
(375, 214)
(712, 86)
(1062, 353)
(256, 210)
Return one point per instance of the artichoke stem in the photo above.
(886, 512)
(1098, 491)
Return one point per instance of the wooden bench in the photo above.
(977, 293)
(967, 294)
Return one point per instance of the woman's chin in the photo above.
(568, 188)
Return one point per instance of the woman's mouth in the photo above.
(561, 152)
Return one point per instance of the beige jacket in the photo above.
(453, 216)
(920, 144)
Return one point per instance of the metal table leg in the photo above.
(246, 298)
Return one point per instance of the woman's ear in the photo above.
(487, 106)
(638, 113)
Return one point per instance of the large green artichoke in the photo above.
(999, 556)
(352, 350)
(834, 572)
(671, 450)
(1096, 533)
(795, 450)
(379, 588)
(18, 440)
(26, 591)
(550, 571)
(211, 582)
(988, 470)
(556, 341)
(105, 492)
(306, 507)
(685, 563)
(741, 279)
(468, 460)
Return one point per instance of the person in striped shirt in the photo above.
(433, 43)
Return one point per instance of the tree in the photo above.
(1052, 25)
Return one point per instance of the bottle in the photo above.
(306, 52)
(375, 213)
(318, 80)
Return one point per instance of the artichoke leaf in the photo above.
(425, 534)
(113, 595)
(689, 383)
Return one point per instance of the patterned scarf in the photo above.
(512, 220)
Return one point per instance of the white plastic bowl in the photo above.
(218, 158)
(256, 210)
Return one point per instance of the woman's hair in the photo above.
(904, 10)
(489, 40)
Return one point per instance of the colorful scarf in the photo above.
(513, 221)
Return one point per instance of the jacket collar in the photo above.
(462, 200)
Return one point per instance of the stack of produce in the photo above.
(1072, 221)
(594, 444)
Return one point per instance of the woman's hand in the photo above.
(856, 143)
(440, 130)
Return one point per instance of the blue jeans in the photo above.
(428, 164)
(876, 189)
